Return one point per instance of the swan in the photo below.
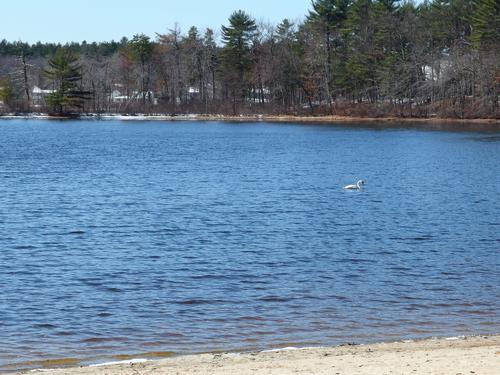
(358, 186)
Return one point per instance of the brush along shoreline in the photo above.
(257, 117)
(450, 356)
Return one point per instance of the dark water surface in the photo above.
(140, 237)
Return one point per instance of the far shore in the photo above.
(331, 119)
(452, 356)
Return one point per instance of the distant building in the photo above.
(193, 92)
(260, 96)
(116, 96)
(438, 71)
(38, 95)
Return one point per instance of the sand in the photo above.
(464, 356)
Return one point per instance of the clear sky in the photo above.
(98, 20)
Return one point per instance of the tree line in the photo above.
(347, 57)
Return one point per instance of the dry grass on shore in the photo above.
(261, 117)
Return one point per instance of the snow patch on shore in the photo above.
(126, 362)
(455, 338)
(290, 348)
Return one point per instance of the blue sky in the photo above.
(96, 20)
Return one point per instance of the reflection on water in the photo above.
(486, 138)
(160, 238)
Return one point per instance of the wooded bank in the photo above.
(360, 58)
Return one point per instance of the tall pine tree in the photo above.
(486, 24)
(142, 51)
(328, 17)
(236, 54)
(65, 73)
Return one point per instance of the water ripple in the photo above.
(125, 238)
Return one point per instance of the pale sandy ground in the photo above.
(476, 355)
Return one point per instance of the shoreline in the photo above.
(455, 355)
(326, 119)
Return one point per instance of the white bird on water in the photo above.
(358, 186)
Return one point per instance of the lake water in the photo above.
(142, 238)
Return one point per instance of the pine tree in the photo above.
(486, 24)
(360, 58)
(329, 14)
(65, 73)
(287, 64)
(193, 51)
(285, 31)
(328, 17)
(237, 38)
(5, 90)
(142, 51)
(210, 59)
(236, 54)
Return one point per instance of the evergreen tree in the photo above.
(193, 55)
(361, 60)
(486, 24)
(238, 38)
(210, 58)
(236, 54)
(65, 73)
(329, 14)
(287, 66)
(387, 42)
(285, 31)
(449, 21)
(328, 17)
(5, 90)
(142, 51)
(142, 48)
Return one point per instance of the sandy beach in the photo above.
(472, 355)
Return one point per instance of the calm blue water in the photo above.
(138, 237)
